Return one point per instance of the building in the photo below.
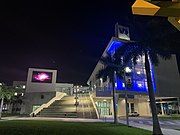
(166, 83)
(42, 96)
(41, 89)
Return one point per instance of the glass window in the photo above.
(103, 107)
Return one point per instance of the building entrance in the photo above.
(103, 108)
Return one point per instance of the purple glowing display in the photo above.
(43, 77)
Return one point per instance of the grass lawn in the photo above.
(66, 128)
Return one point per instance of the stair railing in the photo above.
(94, 105)
(59, 95)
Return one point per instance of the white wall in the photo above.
(40, 87)
(121, 107)
(142, 105)
(35, 99)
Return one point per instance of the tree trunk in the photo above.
(114, 103)
(2, 101)
(126, 100)
(127, 110)
(156, 126)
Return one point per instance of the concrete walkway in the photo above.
(150, 128)
(142, 126)
(51, 119)
(146, 127)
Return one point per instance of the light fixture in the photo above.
(127, 70)
(115, 84)
(123, 84)
(139, 85)
(15, 94)
(138, 72)
(138, 60)
(23, 86)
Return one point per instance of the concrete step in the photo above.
(65, 108)
(59, 110)
(57, 115)
(61, 106)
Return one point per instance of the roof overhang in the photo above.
(113, 44)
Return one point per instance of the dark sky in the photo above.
(67, 36)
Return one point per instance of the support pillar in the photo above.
(178, 99)
(162, 109)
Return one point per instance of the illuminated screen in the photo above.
(136, 81)
(42, 77)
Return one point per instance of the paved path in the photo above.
(168, 126)
(141, 124)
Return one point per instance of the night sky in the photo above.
(67, 36)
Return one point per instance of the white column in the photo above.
(129, 104)
(162, 109)
(178, 99)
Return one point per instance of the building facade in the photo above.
(166, 84)
(41, 87)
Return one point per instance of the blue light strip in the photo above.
(113, 46)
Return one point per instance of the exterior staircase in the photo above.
(63, 108)
(86, 108)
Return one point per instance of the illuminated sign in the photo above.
(42, 77)
(122, 32)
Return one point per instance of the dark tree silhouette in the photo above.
(112, 67)
(155, 39)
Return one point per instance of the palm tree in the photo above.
(157, 40)
(6, 92)
(112, 68)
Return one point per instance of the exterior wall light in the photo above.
(138, 60)
(127, 70)
(139, 85)
(138, 72)
(23, 86)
